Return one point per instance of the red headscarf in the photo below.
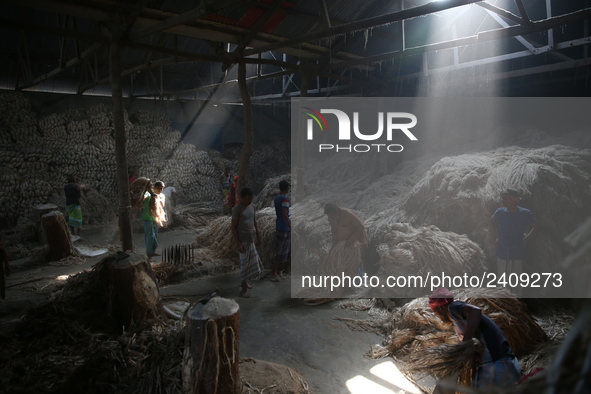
(440, 297)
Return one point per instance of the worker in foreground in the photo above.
(345, 226)
(498, 366)
(246, 237)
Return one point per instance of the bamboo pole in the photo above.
(125, 233)
(301, 145)
(248, 128)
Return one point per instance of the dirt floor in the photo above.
(273, 326)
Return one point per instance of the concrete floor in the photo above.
(277, 328)
(273, 326)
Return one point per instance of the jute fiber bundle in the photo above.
(402, 248)
(511, 315)
(341, 260)
(311, 236)
(217, 237)
(556, 324)
(196, 215)
(137, 189)
(312, 254)
(267, 230)
(447, 361)
(461, 193)
(265, 198)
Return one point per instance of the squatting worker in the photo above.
(346, 226)
(509, 225)
(498, 365)
(73, 209)
(246, 236)
(282, 230)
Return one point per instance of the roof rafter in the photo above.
(365, 24)
(504, 32)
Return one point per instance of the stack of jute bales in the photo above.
(36, 157)
(23, 182)
(157, 151)
(265, 162)
(461, 193)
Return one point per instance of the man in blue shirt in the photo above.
(73, 210)
(283, 230)
(509, 225)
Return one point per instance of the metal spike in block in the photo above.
(178, 254)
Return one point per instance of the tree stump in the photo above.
(41, 210)
(58, 236)
(135, 293)
(211, 356)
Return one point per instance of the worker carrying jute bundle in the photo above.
(497, 366)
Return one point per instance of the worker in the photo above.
(153, 216)
(346, 227)
(232, 200)
(282, 230)
(73, 209)
(498, 366)
(225, 182)
(246, 236)
(169, 193)
(509, 225)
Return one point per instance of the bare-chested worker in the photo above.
(346, 226)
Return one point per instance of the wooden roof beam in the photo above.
(69, 64)
(181, 19)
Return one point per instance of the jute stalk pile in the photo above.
(71, 344)
(196, 214)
